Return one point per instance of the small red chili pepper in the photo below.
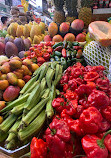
(59, 104)
(77, 47)
(46, 56)
(98, 99)
(48, 44)
(64, 53)
(93, 148)
(90, 120)
(72, 84)
(59, 48)
(31, 49)
(40, 45)
(33, 55)
(38, 148)
(50, 50)
(69, 95)
(91, 76)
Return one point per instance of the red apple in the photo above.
(81, 37)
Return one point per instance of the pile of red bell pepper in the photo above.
(39, 53)
(82, 122)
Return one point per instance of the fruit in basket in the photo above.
(101, 32)
(11, 93)
(12, 78)
(36, 40)
(85, 12)
(19, 44)
(3, 84)
(11, 49)
(77, 25)
(57, 38)
(81, 37)
(35, 30)
(19, 31)
(47, 38)
(2, 48)
(64, 27)
(15, 64)
(27, 44)
(69, 37)
(52, 29)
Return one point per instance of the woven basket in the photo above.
(95, 54)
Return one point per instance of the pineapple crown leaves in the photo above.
(86, 3)
(58, 4)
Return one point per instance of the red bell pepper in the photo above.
(102, 84)
(64, 80)
(59, 104)
(71, 107)
(90, 120)
(107, 142)
(98, 68)
(91, 76)
(105, 125)
(69, 95)
(79, 111)
(76, 72)
(65, 87)
(106, 112)
(57, 136)
(98, 99)
(92, 148)
(38, 148)
(31, 49)
(72, 84)
(64, 53)
(40, 60)
(79, 81)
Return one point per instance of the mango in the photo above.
(36, 40)
(42, 25)
(30, 40)
(27, 62)
(52, 29)
(5, 68)
(19, 31)
(3, 77)
(12, 78)
(26, 78)
(11, 93)
(2, 104)
(1, 119)
(16, 58)
(34, 67)
(35, 30)
(69, 37)
(3, 84)
(11, 49)
(18, 74)
(21, 83)
(15, 64)
(57, 38)
(23, 37)
(25, 70)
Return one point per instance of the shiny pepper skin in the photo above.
(76, 72)
(64, 80)
(57, 136)
(69, 95)
(90, 120)
(91, 76)
(106, 112)
(103, 84)
(92, 149)
(38, 148)
(71, 107)
(98, 99)
(59, 104)
(72, 84)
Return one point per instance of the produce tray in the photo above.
(17, 152)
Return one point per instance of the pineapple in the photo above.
(71, 6)
(59, 15)
(85, 12)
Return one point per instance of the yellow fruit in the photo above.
(3, 84)
(42, 25)
(43, 36)
(8, 30)
(13, 28)
(46, 33)
(30, 39)
(1, 119)
(40, 38)
(26, 31)
(35, 30)
(34, 23)
(30, 23)
(34, 67)
(12, 37)
(21, 83)
(19, 31)
(36, 40)
(7, 35)
(23, 37)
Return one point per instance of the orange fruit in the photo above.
(21, 83)
(34, 67)
(3, 84)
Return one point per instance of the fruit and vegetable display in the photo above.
(14, 73)
(26, 115)
(81, 124)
